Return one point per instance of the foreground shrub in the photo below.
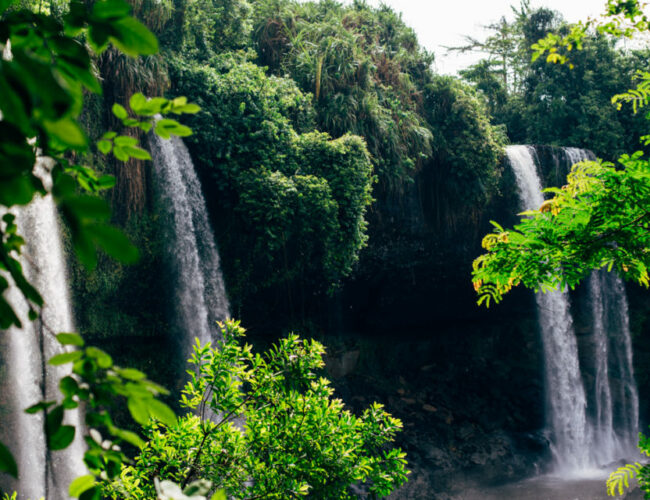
(267, 426)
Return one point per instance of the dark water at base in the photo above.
(549, 488)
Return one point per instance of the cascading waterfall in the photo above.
(28, 378)
(575, 155)
(583, 438)
(604, 418)
(615, 427)
(616, 413)
(201, 296)
(625, 394)
(565, 393)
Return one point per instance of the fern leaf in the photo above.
(619, 480)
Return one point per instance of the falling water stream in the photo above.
(583, 439)
(201, 302)
(566, 399)
(200, 293)
(615, 423)
(26, 373)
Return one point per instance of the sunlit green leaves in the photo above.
(97, 381)
(143, 407)
(66, 132)
(80, 485)
(179, 106)
(599, 219)
(165, 128)
(119, 111)
(133, 38)
(299, 440)
(64, 358)
(619, 480)
(638, 96)
(125, 147)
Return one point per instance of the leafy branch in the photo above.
(619, 480)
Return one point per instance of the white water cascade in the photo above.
(583, 438)
(566, 401)
(615, 416)
(200, 293)
(26, 375)
(615, 427)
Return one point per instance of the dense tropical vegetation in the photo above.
(541, 103)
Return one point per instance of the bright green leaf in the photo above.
(66, 357)
(162, 412)
(67, 131)
(133, 38)
(138, 409)
(70, 339)
(119, 111)
(81, 484)
(104, 146)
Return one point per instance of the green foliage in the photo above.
(365, 70)
(292, 205)
(214, 26)
(624, 18)
(7, 462)
(619, 480)
(97, 383)
(464, 167)
(571, 103)
(266, 425)
(486, 78)
(556, 104)
(598, 219)
(638, 96)
(370, 77)
(507, 56)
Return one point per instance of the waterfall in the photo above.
(575, 155)
(582, 437)
(615, 417)
(617, 402)
(27, 378)
(566, 399)
(201, 298)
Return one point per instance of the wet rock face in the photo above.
(471, 400)
(466, 381)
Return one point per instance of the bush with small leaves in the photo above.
(266, 426)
